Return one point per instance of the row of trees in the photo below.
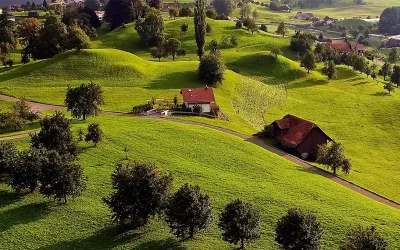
(143, 191)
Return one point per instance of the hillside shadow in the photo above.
(111, 237)
(176, 80)
(307, 83)
(359, 83)
(8, 198)
(381, 93)
(23, 215)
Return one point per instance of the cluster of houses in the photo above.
(343, 47)
(315, 20)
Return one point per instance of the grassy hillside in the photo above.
(196, 155)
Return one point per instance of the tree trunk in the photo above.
(241, 243)
(84, 116)
(65, 199)
(334, 171)
(173, 56)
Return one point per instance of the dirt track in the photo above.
(40, 107)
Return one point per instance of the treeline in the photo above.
(143, 191)
(308, 3)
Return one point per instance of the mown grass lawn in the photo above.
(224, 166)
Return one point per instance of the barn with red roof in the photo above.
(298, 135)
(203, 97)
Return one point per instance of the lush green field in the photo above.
(196, 155)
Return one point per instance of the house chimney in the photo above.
(206, 87)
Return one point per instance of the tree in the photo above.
(9, 157)
(308, 61)
(282, 30)
(22, 109)
(368, 70)
(173, 12)
(240, 222)
(393, 55)
(93, 18)
(94, 134)
(140, 191)
(172, 47)
(364, 238)
(223, 7)
(385, 70)
(185, 11)
(245, 10)
(395, 78)
(77, 39)
(252, 26)
(239, 25)
(28, 31)
(55, 134)
(151, 30)
(93, 4)
(263, 27)
(211, 70)
(298, 230)
(211, 13)
(389, 87)
(355, 33)
(158, 52)
(332, 156)
(208, 28)
(200, 25)
(184, 27)
(118, 12)
(214, 47)
(25, 175)
(389, 20)
(255, 14)
(275, 51)
(84, 100)
(156, 4)
(329, 69)
(61, 177)
(274, 5)
(85, 18)
(188, 211)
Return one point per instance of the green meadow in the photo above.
(224, 166)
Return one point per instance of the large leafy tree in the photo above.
(200, 25)
(308, 61)
(329, 69)
(29, 31)
(188, 211)
(25, 175)
(55, 134)
(77, 39)
(282, 30)
(389, 22)
(393, 55)
(245, 10)
(211, 70)
(9, 157)
(364, 238)
(151, 30)
(118, 12)
(298, 230)
(332, 156)
(223, 7)
(140, 191)
(93, 18)
(240, 222)
(84, 100)
(385, 70)
(172, 46)
(395, 78)
(61, 177)
(252, 26)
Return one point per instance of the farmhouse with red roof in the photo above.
(203, 97)
(344, 47)
(298, 135)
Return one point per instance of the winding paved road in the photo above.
(40, 107)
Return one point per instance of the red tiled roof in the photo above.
(297, 129)
(198, 95)
(339, 46)
(358, 46)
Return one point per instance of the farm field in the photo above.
(241, 170)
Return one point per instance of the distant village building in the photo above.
(328, 20)
(203, 97)
(304, 16)
(343, 47)
(297, 135)
(100, 15)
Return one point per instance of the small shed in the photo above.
(203, 97)
(298, 135)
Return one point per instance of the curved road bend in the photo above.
(40, 107)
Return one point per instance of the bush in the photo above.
(264, 28)
(211, 13)
(142, 108)
(239, 24)
(184, 27)
(364, 238)
(197, 109)
(221, 17)
(208, 28)
(211, 70)
(95, 134)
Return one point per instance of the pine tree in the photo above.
(200, 25)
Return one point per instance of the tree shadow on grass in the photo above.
(177, 80)
(111, 237)
(8, 198)
(307, 83)
(380, 93)
(23, 215)
(360, 83)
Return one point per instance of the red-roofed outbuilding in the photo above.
(297, 134)
(203, 97)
